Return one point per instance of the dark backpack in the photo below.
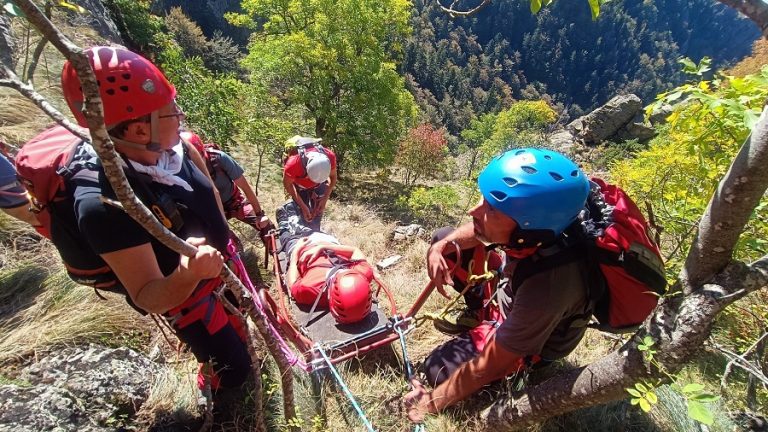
(624, 271)
(45, 165)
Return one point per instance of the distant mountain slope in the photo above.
(457, 67)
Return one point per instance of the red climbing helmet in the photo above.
(193, 139)
(350, 296)
(130, 85)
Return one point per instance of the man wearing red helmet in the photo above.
(231, 184)
(143, 121)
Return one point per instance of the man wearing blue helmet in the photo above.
(531, 200)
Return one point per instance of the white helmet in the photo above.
(318, 166)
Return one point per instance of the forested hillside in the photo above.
(460, 67)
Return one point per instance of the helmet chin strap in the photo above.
(154, 144)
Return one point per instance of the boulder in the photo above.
(43, 408)
(405, 232)
(107, 380)
(607, 120)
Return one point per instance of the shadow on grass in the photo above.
(18, 290)
(375, 192)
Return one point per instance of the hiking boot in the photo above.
(457, 322)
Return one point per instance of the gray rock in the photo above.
(639, 131)
(411, 230)
(389, 262)
(109, 380)
(561, 140)
(42, 408)
(605, 121)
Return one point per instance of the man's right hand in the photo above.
(308, 216)
(437, 268)
(207, 262)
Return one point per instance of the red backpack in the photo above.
(626, 271)
(44, 164)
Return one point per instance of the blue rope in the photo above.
(408, 371)
(348, 393)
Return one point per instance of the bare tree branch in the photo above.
(454, 13)
(756, 10)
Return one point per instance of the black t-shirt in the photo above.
(109, 229)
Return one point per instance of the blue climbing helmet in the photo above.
(540, 189)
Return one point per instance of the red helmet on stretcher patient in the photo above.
(350, 296)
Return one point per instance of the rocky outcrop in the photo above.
(622, 117)
(97, 18)
(77, 389)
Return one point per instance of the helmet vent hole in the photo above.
(111, 79)
(126, 76)
(519, 152)
(98, 83)
(547, 157)
(129, 108)
(498, 195)
(575, 173)
(510, 181)
(529, 170)
(124, 88)
(556, 176)
(110, 92)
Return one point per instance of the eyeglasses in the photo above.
(179, 114)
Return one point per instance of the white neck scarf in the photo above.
(167, 167)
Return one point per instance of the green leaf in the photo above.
(634, 392)
(700, 413)
(535, 6)
(671, 98)
(648, 341)
(642, 348)
(693, 388)
(635, 401)
(651, 397)
(594, 7)
(641, 387)
(705, 397)
(644, 405)
(13, 10)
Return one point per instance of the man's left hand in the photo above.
(263, 222)
(418, 402)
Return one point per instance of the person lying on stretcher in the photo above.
(325, 274)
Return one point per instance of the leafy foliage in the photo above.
(336, 59)
(141, 29)
(523, 124)
(434, 206)
(681, 168)
(219, 54)
(421, 152)
(212, 102)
